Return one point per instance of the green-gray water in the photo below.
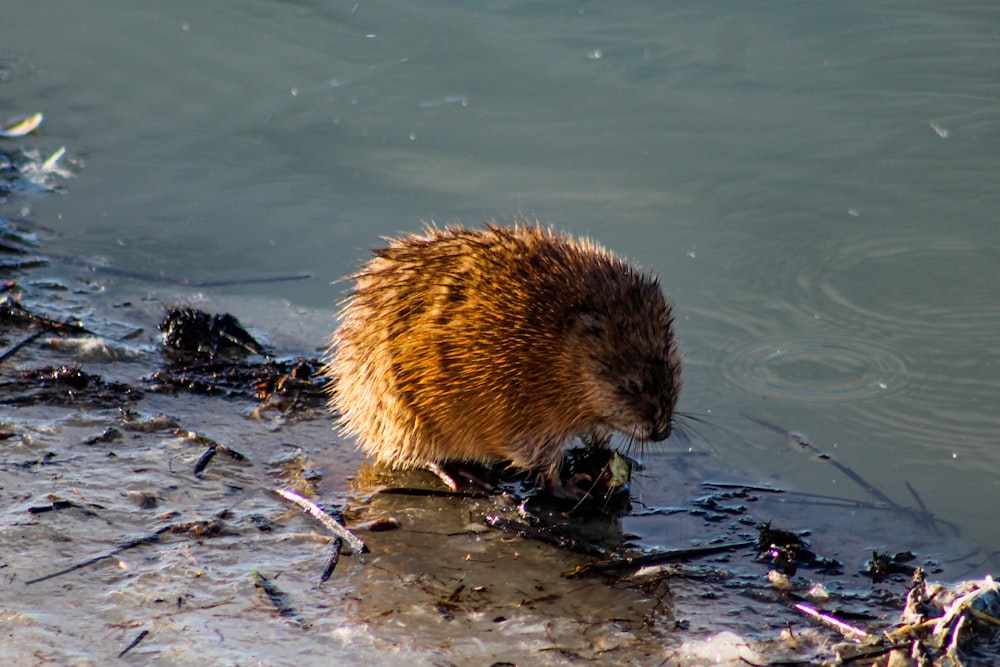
(815, 183)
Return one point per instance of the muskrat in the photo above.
(501, 344)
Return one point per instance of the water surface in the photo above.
(815, 185)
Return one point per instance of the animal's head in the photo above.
(628, 355)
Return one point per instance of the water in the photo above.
(815, 185)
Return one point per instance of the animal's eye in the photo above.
(631, 386)
(590, 323)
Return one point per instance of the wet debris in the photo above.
(633, 564)
(21, 125)
(211, 449)
(48, 458)
(54, 506)
(144, 500)
(135, 642)
(13, 313)
(64, 385)
(331, 564)
(283, 385)
(277, 598)
(941, 626)
(26, 171)
(382, 524)
(189, 333)
(712, 508)
(262, 523)
(785, 551)
(16, 240)
(287, 386)
(23, 263)
(549, 534)
(110, 434)
(883, 565)
(743, 489)
(609, 471)
(134, 421)
(198, 529)
(355, 543)
(94, 349)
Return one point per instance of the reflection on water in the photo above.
(815, 186)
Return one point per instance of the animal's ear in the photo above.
(587, 322)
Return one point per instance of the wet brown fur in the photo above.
(500, 344)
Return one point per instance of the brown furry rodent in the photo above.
(501, 344)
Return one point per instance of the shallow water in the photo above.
(816, 187)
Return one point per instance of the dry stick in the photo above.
(356, 543)
(636, 562)
(849, 631)
(135, 642)
(805, 444)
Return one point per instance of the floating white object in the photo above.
(18, 127)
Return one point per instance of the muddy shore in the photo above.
(126, 536)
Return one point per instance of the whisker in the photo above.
(682, 433)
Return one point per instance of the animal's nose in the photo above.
(660, 434)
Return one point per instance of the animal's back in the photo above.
(500, 344)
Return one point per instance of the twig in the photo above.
(131, 544)
(749, 487)
(13, 350)
(334, 559)
(135, 642)
(356, 544)
(636, 562)
(203, 460)
(277, 598)
(849, 631)
(196, 528)
(805, 444)
(548, 536)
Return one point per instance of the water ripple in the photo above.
(821, 367)
(914, 287)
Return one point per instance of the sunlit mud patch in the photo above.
(447, 584)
